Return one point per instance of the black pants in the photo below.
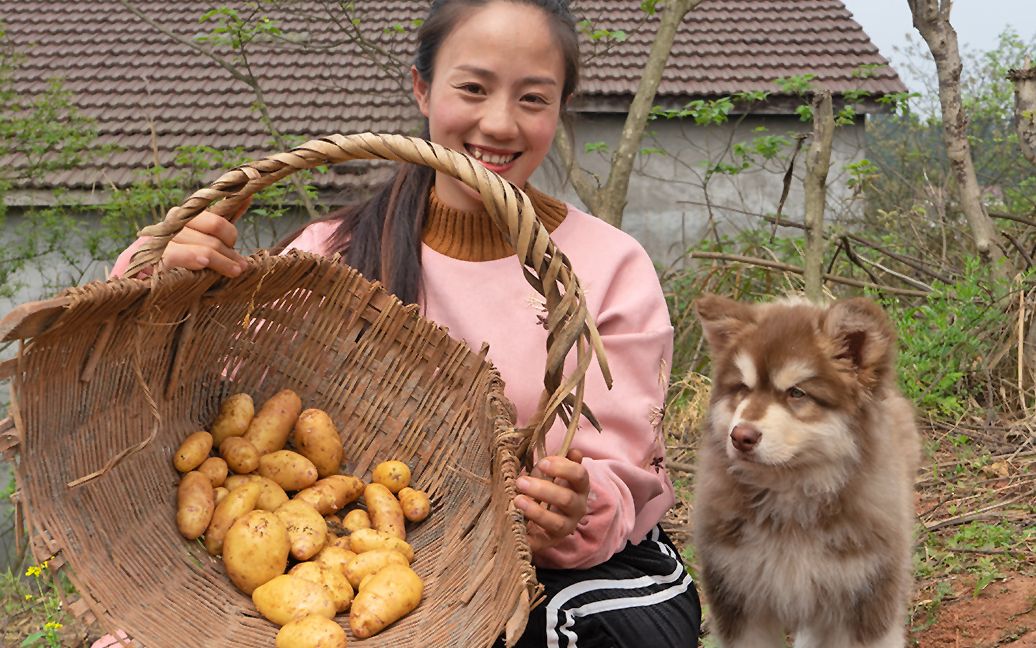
(642, 597)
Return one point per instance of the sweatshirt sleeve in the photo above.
(629, 489)
(123, 260)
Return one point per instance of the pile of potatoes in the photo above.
(234, 496)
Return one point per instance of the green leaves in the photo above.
(597, 34)
(234, 31)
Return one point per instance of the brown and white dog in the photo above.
(803, 511)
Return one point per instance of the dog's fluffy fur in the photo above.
(803, 510)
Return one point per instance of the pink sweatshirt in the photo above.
(629, 490)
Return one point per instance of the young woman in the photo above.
(492, 78)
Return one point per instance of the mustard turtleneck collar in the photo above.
(472, 236)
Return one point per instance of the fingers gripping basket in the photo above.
(110, 377)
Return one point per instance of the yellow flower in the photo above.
(28, 597)
(33, 571)
(52, 625)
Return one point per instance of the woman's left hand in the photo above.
(553, 499)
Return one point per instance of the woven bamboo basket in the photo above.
(111, 376)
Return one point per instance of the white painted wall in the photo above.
(669, 209)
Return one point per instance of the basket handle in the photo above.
(546, 268)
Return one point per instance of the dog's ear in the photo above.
(722, 319)
(863, 335)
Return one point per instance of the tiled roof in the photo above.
(143, 87)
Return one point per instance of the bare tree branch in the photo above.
(784, 267)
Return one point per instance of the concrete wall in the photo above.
(671, 203)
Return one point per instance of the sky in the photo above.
(978, 24)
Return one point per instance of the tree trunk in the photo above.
(818, 163)
(1025, 123)
(1025, 108)
(932, 20)
(608, 202)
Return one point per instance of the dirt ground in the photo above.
(1003, 615)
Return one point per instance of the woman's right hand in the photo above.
(207, 241)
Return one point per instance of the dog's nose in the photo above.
(745, 437)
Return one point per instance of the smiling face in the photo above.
(495, 94)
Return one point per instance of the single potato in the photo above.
(311, 631)
(237, 503)
(235, 413)
(384, 509)
(272, 495)
(233, 481)
(391, 594)
(330, 494)
(255, 550)
(372, 562)
(306, 528)
(415, 503)
(289, 470)
(393, 475)
(317, 439)
(270, 427)
(334, 557)
(215, 469)
(356, 519)
(193, 451)
(285, 598)
(335, 581)
(240, 455)
(364, 540)
(195, 502)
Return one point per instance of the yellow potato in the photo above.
(237, 503)
(338, 541)
(334, 557)
(233, 481)
(363, 583)
(390, 595)
(331, 578)
(356, 519)
(240, 455)
(195, 502)
(346, 488)
(320, 498)
(255, 550)
(221, 492)
(364, 540)
(215, 469)
(290, 470)
(306, 528)
(270, 427)
(272, 495)
(311, 631)
(415, 503)
(330, 494)
(384, 509)
(235, 413)
(317, 439)
(393, 475)
(285, 598)
(193, 451)
(371, 562)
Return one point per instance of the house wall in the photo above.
(671, 202)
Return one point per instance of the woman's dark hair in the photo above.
(381, 237)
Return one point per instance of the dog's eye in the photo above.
(795, 392)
